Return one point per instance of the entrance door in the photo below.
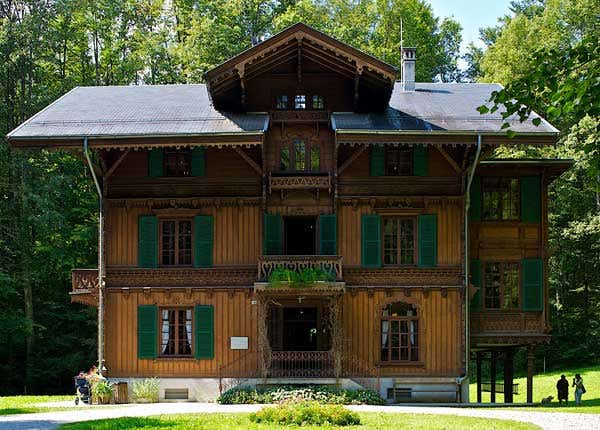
(300, 236)
(298, 328)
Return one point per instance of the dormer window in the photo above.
(282, 102)
(177, 162)
(317, 102)
(300, 102)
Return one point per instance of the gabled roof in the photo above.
(116, 112)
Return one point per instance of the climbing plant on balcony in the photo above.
(305, 278)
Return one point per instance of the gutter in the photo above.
(467, 301)
(100, 259)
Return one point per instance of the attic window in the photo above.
(317, 102)
(282, 102)
(300, 102)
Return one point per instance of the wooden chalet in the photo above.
(303, 152)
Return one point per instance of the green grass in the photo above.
(369, 421)
(544, 385)
(30, 404)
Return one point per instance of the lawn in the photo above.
(544, 385)
(374, 421)
(29, 404)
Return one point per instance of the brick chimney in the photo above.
(409, 57)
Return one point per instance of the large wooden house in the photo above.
(305, 153)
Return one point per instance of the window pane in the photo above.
(510, 294)
(282, 102)
(300, 101)
(407, 241)
(315, 158)
(492, 285)
(185, 243)
(398, 161)
(390, 241)
(178, 162)
(317, 102)
(299, 155)
(501, 198)
(284, 159)
(168, 243)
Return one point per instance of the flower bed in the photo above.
(306, 413)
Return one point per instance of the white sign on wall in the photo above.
(238, 342)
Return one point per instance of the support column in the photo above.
(493, 360)
(530, 357)
(478, 365)
(508, 375)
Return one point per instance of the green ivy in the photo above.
(303, 279)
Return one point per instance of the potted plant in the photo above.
(102, 392)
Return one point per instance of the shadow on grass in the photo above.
(127, 423)
(15, 411)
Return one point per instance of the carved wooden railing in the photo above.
(84, 286)
(507, 322)
(331, 264)
(302, 364)
(300, 116)
(299, 182)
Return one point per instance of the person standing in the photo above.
(562, 386)
(579, 388)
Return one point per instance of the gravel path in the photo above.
(51, 420)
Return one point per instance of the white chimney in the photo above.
(409, 57)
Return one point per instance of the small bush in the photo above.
(102, 391)
(306, 413)
(322, 394)
(303, 279)
(145, 390)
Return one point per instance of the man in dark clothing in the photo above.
(563, 390)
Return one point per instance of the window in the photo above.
(300, 102)
(501, 285)
(299, 155)
(399, 241)
(178, 162)
(284, 159)
(176, 242)
(176, 331)
(317, 102)
(399, 332)
(399, 161)
(315, 158)
(501, 197)
(282, 102)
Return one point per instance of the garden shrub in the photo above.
(145, 390)
(306, 413)
(316, 393)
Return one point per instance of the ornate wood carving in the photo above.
(299, 182)
(399, 276)
(186, 278)
(84, 284)
(186, 203)
(295, 116)
(502, 322)
(329, 263)
(407, 186)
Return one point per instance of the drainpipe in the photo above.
(100, 260)
(461, 379)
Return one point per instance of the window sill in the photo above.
(175, 357)
(401, 364)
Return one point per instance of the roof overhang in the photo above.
(553, 168)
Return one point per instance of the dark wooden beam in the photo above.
(478, 355)
(248, 160)
(493, 361)
(449, 159)
(508, 375)
(352, 158)
(117, 163)
(530, 358)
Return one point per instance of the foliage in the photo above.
(306, 413)
(322, 394)
(145, 390)
(102, 390)
(303, 279)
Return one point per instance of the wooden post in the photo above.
(508, 375)
(493, 359)
(478, 365)
(530, 374)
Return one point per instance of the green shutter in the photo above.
(204, 337)
(427, 240)
(148, 241)
(533, 284)
(475, 199)
(531, 199)
(377, 160)
(328, 234)
(147, 327)
(198, 161)
(476, 281)
(155, 163)
(371, 240)
(272, 234)
(420, 160)
(204, 238)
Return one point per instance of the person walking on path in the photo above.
(562, 386)
(579, 388)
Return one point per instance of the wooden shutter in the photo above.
(377, 160)
(328, 234)
(427, 240)
(204, 333)
(533, 284)
(203, 240)
(420, 160)
(155, 162)
(147, 327)
(475, 199)
(198, 161)
(148, 241)
(476, 282)
(272, 234)
(531, 199)
(371, 240)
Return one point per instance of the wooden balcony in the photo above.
(512, 327)
(290, 182)
(329, 263)
(84, 287)
(302, 364)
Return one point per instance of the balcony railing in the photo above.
(506, 322)
(331, 264)
(84, 286)
(302, 364)
(299, 181)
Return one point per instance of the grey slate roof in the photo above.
(119, 111)
(438, 107)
